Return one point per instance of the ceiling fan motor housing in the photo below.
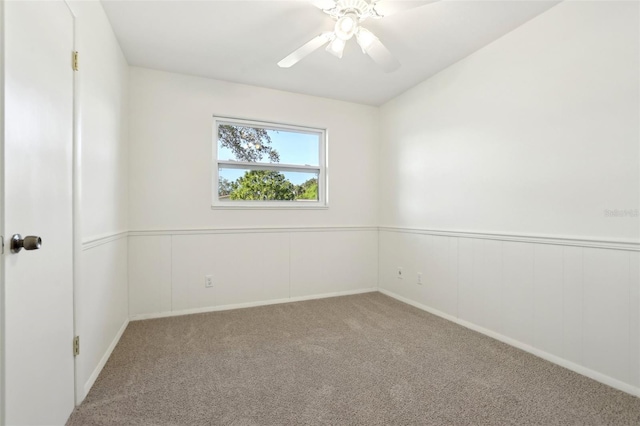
(361, 8)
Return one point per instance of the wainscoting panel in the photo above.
(480, 288)
(331, 262)
(100, 307)
(467, 305)
(400, 251)
(574, 305)
(517, 291)
(149, 274)
(248, 267)
(634, 317)
(440, 277)
(548, 296)
(607, 312)
(244, 267)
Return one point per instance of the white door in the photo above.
(38, 304)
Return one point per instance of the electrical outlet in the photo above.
(419, 278)
(399, 273)
(208, 281)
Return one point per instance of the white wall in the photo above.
(171, 148)
(534, 135)
(104, 85)
(270, 255)
(101, 287)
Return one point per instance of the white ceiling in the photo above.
(242, 41)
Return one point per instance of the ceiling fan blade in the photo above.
(390, 7)
(307, 48)
(324, 4)
(383, 57)
(373, 47)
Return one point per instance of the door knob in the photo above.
(28, 243)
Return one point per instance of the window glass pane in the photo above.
(296, 148)
(254, 144)
(238, 184)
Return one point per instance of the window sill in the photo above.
(245, 206)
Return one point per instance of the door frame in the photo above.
(76, 232)
(76, 212)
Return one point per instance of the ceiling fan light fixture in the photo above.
(336, 47)
(346, 26)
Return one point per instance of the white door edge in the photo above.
(2, 333)
(79, 392)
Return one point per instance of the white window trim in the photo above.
(322, 168)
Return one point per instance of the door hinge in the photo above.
(75, 61)
(76, 346)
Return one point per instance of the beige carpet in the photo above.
(355, 360)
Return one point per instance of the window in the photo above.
(266, 165)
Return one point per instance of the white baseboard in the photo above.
(96, 372)
(249, 304)
(602, 378)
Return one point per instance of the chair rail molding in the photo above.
(99, 240)
(249, 230)
(613, 244)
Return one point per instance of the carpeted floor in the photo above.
(355, 360)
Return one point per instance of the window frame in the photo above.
(321, 169)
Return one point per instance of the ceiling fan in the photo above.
(349, 14)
